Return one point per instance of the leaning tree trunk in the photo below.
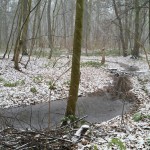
(75, 72)
(11, 31)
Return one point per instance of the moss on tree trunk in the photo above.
(75, 72)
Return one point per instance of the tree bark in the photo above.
(121, 29)
(126, 25)
(0, 27)
(11, 32)
(21, 28)
(18, 43)
(149, 23)
(135, 52)
(26, 10)
(64, 21)
(75, 72)
(49, 28)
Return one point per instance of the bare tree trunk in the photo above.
(19, 42)
(49, 28)
(121, 29)
(34, 35)
(21, 29)
(135, 52)
(103, 56)
(40, 40)
(0, 27)
(126, 25)
(149, 23)
(11, 32)
(16, 59)
(86, 26)
(64, 21)
(54, 19)
(131, 27)
(72, 17)
(34, 28)
(26, 11)
(89, 23)
(5, 23)
(22, 33)
(75, 72)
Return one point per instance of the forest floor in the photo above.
(31, 86)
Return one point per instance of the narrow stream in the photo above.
(98, 108)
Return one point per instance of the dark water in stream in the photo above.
(98, 108)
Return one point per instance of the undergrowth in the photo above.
(1, 79)
(38, 79)
(33, 90)
(13, 84)
(117, 142)
(139, 116)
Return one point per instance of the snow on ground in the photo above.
(134, 135)
(32, 86)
